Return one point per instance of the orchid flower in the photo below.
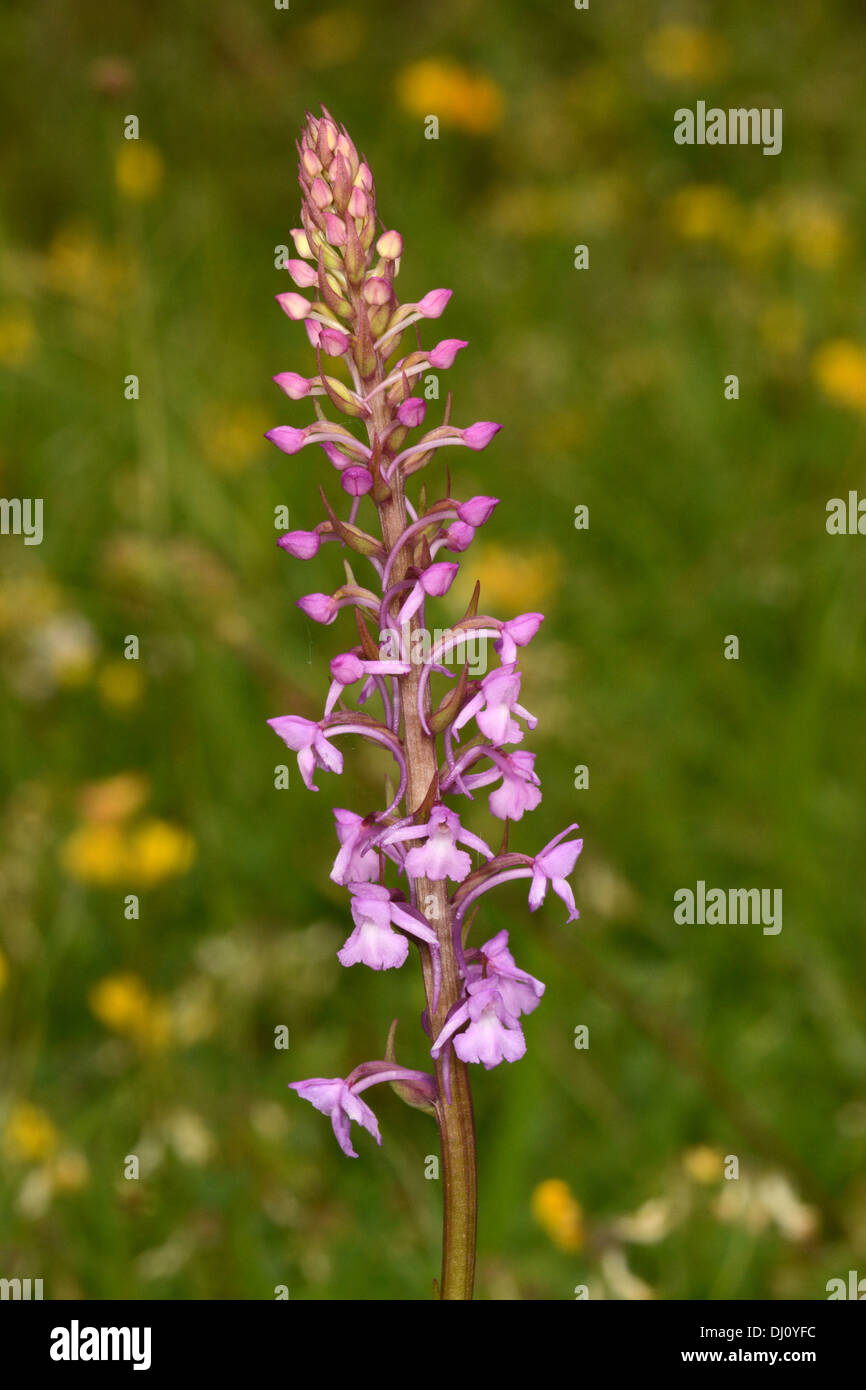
(408, 866)
(439, 858)
(309, 742)
(494, 706)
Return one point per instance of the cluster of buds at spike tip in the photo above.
(344, 277)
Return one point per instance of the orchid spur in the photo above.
(411, 869)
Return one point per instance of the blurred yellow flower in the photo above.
(440, 87)
(703, 1164)
(154, 1030)
(120, 1001)
(518, 582)
(138, 170)
(231, 439)
(558, 1213)
(124, 1004)
(17, 337)
(702, 211)
(29, 1135)
(683, 53)
(4, 971)
(120, 684)
(839, 367)
(105, 854)
(818, 235)
(96, 854)
(80, 266)
(159, 850)
(73, 260)
(114, 798)
(26, 601)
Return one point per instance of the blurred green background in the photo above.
(154, 1036)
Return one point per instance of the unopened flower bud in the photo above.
(432, 306)
(335, 229)
(460, 536)
(322, 608)
(334, 342)
(295, 305)
(341, 181)
(376, 291)
(311, 163)
(444, 353)
(287, 438)
(411, 413)
(359, 205)
(295, 386)
(321, 194)
(356, 481)
(390, 246)
(477, 510)
(303, 545)
(479, 435)
(345, 147)
(302, 245)
(347, 668)
(438, 578)
(303, 275)
(328, 135)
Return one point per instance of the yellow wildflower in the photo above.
(839, 367)
(105, 853)
(4, 971)
(29, 1134)
(558, 1213)
(519, 582)
(26, 601)
(154, 1030)
(684, 53)
(81, 267)
(120, 684)
(818, 235)
(440, 87)
(73, 260)
(123, 1003)
(120, 1001)
(159, 850)
(96, 854)
(703, 1164)
(17, 337)
(702, 211)
(138, 170)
